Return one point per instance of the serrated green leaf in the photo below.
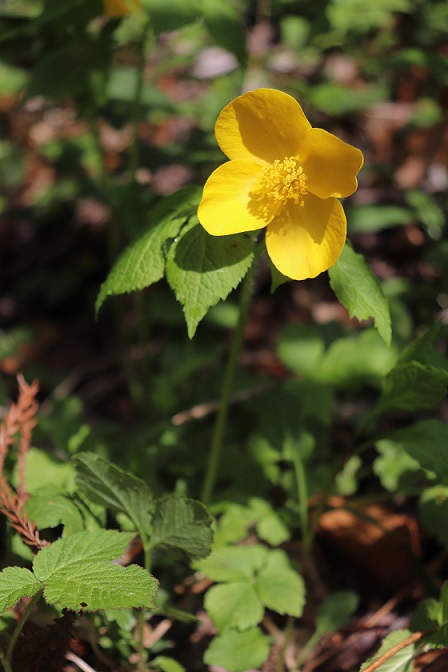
(49, 507)
(15, 583)
(143, 262)
(101, 545)
(203, 269)
(104, 483)
(234, 605)
(359, 290)
(411, 387)
(401, 661)
(280, 588)
(334, 612)
(184, 524)
(237, 563)
(238, 651)
(426, 441)
(77, 573)
(95, 585)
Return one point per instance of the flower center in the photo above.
(285, 180)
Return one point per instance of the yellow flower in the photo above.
(282, 174)
(121, 7)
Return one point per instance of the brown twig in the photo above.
(19, 420)
(11, 505)
(415, 637)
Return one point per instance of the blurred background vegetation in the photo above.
(76, 90)
(74, 191)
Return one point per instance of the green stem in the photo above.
(311, 643)
(137, 106)
(302, 498)
(17, 630)
(141, 649)
(132, 214)
(309, 529)
(220, 422)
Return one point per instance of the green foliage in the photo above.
(238, 651)
(203, 269)
(49, 506)
(402, 661)
(426, 442)
(224, 26)
(143, 262)
(311, 392)
(359, 290)
(109, 486)
(335, 610)
(360, 16)
(184, 524)
(77, 573)
(253, 579)
(15, 583)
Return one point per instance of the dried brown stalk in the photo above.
(19, 421)
(11, 505)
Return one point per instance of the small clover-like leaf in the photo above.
(234, 605)
(238, 651)
(279, 587)
(233, 563)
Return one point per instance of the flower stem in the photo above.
(229, 375)
(137, 106)
(132, 215)
(302, 499)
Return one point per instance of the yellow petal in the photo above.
(330, 164)
(305, 241)
(232, 201)
(263, 124)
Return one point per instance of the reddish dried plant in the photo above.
(17, 427)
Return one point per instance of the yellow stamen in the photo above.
(285, 180)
